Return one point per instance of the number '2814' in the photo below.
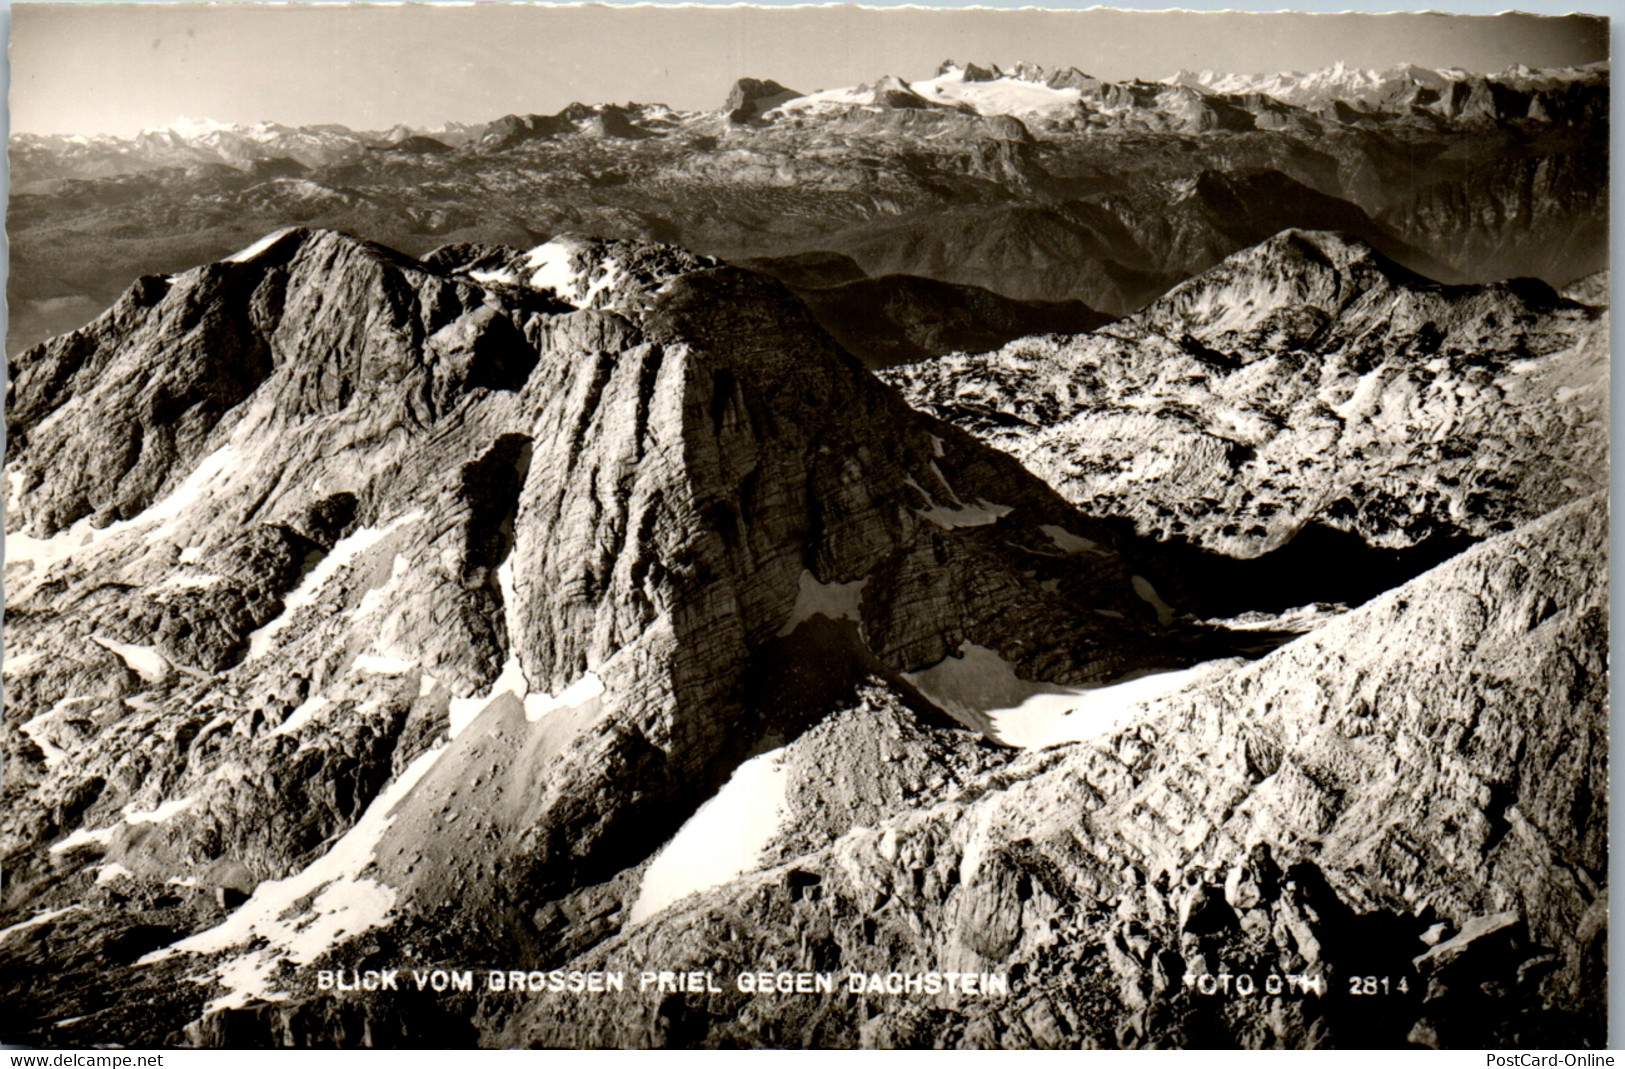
(1377, 985)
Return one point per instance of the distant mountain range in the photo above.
(1068, 95)
(1451, 91)
(1062, 96)
(195, 142)
(1046, 189)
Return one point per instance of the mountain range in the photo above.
(858, 538)
(366, 611)
(1037, 185)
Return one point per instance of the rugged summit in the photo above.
(1307, 381)
(437, 593)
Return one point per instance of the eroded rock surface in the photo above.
(1309, 381)
(489, 582)
(1416, 792)
(591, 606)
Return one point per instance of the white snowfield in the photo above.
(725, 838)
(552, 267)
(549, 265)
(1000, 96)
(981, 690)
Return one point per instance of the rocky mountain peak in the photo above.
(336, 320)
(1285, 385)
(750, 97)
(448, 533)
(1342, 277)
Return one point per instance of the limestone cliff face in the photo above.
(1549, 194)
(557, 533)
(1307, 381)
(590, 604)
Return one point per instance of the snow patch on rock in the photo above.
(301, 716)
(182, 581)
(724, 839)
(980, 514)
(260, 246)
(382, 664)
(112, 871)
(981, 690)
(495, 278)
(1148, 594)
(39, 729)
(85, 837)
(1069, 543)
(549, 266)
(163, 812)
(462, 711)
(577, 694)
(343, 902)
(305, 594)
(36, 920)
(44, 554)
(144, 661)
(834, 601)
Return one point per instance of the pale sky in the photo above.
(117, 68)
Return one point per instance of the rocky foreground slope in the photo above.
(1417, 793)
(476, 612)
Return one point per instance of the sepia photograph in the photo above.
(588, 526)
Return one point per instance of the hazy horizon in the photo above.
(118, 69)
